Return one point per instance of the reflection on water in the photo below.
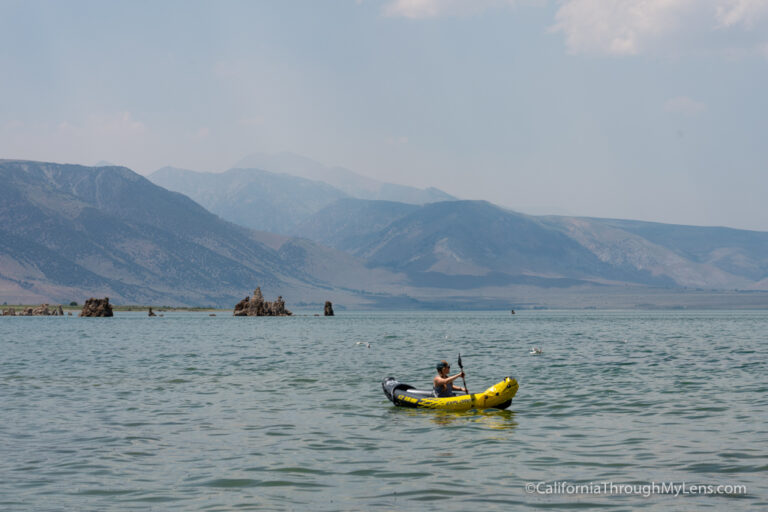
(489, 418)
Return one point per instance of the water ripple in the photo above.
(216, 413)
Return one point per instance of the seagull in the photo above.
(363, 343)
(535, 351)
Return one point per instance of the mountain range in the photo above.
(72, 231)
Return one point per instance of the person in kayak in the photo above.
(443, 384)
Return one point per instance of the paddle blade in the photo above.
(462, 378)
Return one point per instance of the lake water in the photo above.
(192, 412)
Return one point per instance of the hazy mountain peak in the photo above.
(350, 182)
(252, 197)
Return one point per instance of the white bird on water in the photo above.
(535, 351)
(363, 343)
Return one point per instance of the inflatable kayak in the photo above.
(498, 396)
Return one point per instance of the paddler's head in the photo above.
(443, 367)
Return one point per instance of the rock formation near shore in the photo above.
(97, 308)
(41, 310)
(328, 308)
(257, 306)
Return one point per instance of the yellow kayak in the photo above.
(498, 396)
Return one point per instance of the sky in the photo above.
(638, 109)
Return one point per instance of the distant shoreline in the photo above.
(457, 308)
(131, 307)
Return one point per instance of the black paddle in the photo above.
(462, 377)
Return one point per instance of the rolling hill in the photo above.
(466, 244)
(689, 256)
(345, 222)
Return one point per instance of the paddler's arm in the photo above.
(455, 387)
(448, 380)
(459, 388)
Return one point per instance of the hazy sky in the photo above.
(642, 109)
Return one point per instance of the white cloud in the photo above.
(684, 105)
(742, 12)
(621, 27)
(632, 27)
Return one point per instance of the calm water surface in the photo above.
(191, 412)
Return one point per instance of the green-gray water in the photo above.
(192, 412)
